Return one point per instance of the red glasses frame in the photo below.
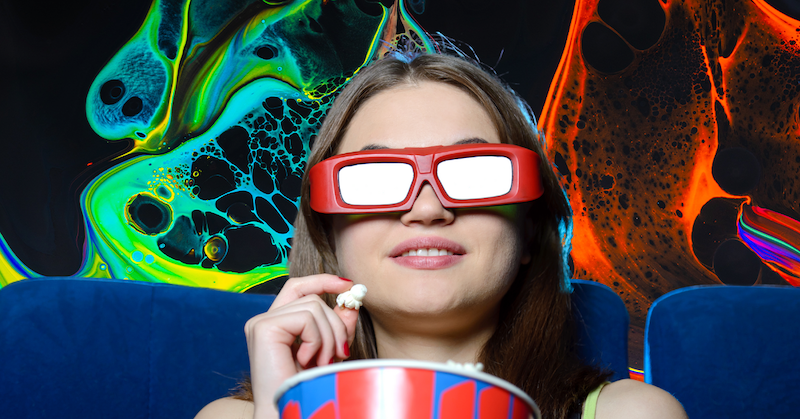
(326, 198)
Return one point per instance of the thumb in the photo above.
(349, 317)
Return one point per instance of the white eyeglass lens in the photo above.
(476, 177)
(375, 183)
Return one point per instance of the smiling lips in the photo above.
(427, 253)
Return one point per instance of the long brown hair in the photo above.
(532, 346)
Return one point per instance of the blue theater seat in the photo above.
(602, 323)
(95, 348)
(727, 351)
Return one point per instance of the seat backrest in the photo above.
(727, 351)
(96, 348)
(602, 323)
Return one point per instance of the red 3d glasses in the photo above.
(386, 180)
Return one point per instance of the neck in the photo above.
(437, 341)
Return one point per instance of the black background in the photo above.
(53, 50)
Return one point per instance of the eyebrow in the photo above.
(460, 142)
(475, 140)
(373, 147)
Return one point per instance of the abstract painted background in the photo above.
(165, 141)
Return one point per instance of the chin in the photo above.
(425, 305)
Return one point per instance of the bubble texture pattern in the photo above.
(664, 118)
(221, 101)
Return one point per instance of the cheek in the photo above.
(342, 237)
(512, 241)
(516, 245)
(352, 240)
(508, 222)
(525, 236)
(521, 232)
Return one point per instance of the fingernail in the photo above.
(346, 349)
(345, 279)
(331, 362)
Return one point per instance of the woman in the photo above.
(496, 290)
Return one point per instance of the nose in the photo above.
(427, 209)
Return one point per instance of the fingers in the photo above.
(342, 336)
(299, 331)
(270, 342)
(332, 331)
(280, 331)
(326, 338)
(296, 288)
(341, 324)
(348, 318)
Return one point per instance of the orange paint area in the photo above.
(664, 118)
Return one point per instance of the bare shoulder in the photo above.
(227, 408)
(631, 399)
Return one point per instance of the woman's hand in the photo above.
(298, 332)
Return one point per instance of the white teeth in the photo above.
(428, 252)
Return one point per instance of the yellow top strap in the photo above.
(590, 405)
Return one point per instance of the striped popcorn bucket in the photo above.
(400, 389)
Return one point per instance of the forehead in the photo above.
(419, 115)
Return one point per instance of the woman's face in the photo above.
(484, 246)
